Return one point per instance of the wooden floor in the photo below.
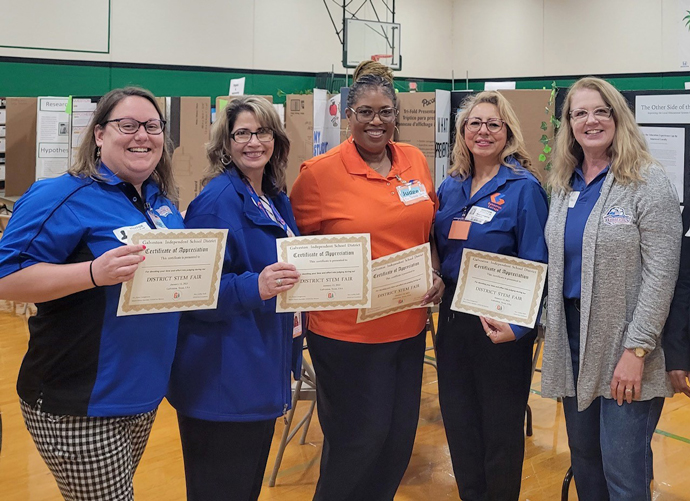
(24, 476)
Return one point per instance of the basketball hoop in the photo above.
(378, 57)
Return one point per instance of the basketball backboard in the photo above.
(375, 40)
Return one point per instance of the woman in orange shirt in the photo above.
(368, 374)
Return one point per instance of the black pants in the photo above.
(368, 403)
(483, 390)
(224, 461)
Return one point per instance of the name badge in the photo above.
(297, 325)
(412, 192)
(572, 199)
(459, 229)
(123, 234)
(480, 215)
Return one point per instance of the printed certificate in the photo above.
(399, 282)
(335, 272)
(181, 272)
(503, 288)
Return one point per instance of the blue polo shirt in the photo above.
(578, 213)
(520, 209)
(83, 359)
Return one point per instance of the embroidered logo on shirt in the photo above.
(496, 202)
(163, 211)
(617, 215)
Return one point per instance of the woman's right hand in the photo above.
(117, 265)
(679, 380)
(276, 278)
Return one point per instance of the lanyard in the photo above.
(257, 201)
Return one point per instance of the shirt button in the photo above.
(392, 193)
(134, 199)
(388, 184)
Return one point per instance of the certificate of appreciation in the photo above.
(335, 272)
(400, 281)
(181, 272)
(503, 288)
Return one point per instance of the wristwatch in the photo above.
(640, 352)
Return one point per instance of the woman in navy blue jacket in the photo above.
(231, 375)
(490, 202)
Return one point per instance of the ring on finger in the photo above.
(279, 282)
(628, 390)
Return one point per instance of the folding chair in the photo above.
(535, 359)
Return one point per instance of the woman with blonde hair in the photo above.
(613, 234)
(231, 376)
(491, 201)
(91, 381)
(369, 374)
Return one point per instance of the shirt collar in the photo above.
(354, 164)
(107, 176)
(578, 172)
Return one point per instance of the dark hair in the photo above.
(87, 162)
(218, 148)
(371, 75)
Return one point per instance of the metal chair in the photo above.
(431, 328)
(302, 389)
(566, 484)
(535, 359)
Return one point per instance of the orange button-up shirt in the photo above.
(338, 193)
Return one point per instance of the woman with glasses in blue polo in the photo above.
(491, 202)
(231, 376)
(614, 234)
(91, 381)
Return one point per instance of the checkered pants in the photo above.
(92, 458)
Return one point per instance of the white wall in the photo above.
(289, 35)
(488, 39)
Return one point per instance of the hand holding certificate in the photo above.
(400, 282)
(335, 272)
(499, 287)
(181, 271)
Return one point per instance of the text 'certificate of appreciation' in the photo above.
(335, 272)
(181, 272)
(503, 288)
(400, 282)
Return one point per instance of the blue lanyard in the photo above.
(257, 201)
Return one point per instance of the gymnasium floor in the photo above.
(24, 477)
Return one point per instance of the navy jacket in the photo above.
(233, 363)
(676, 336)
(516, 229)
(82, 359)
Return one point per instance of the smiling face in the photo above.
(133, 157)
(251, 157)
(484, 144)
(594, 135)
(373, 136)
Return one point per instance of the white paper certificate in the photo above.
(181, 272)
(335, 272)
(399, 282)
(503, 288)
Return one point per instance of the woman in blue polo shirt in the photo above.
(490, 202)
(231, 376)
(91, 381)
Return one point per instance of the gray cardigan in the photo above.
(630, 257)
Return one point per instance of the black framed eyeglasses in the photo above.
(493, 125)
(600, 113)
(366, 115)
(131, 126)
(245, 135)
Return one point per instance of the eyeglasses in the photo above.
(245, 135)
(131, 126)
(493, 125)
(366, 115)
(601, 113)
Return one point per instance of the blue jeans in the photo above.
(610, 445)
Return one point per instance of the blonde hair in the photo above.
(462, 161)
(88, 159)
(218, 148)
(628, 152)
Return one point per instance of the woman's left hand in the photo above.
(498, 332)
(627, 378)
(434, 294)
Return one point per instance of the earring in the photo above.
(98, 152)
(225, 159)
(349, 139)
